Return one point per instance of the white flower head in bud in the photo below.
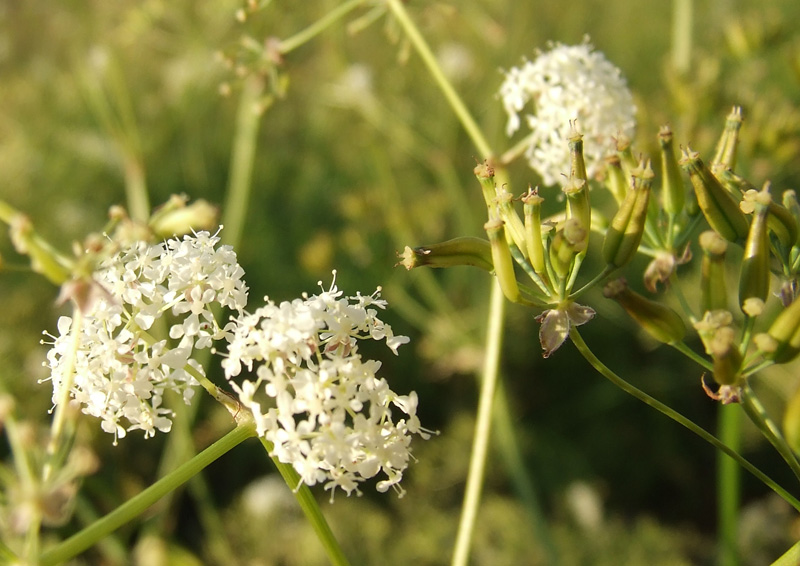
(321, 405)
(568, 83)
(116, 370)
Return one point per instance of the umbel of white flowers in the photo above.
(568, 83)
(119, 372)
(323, 407)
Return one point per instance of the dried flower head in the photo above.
(323, 407)
(564, 84)
(114, 368)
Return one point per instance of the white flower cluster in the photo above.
(117, 371)
(563, 84)
(315, 399)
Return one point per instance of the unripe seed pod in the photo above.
(727, 359)
(570, 240)
(785, 330)
(458, 251)
(716, 203)
(754, 275)
(484, 172)
(714, 291)
(627, 160)
(791, 422)
(532, 208)
(501, 258)
(791, 204)
(781, 223)
(660, 321)
(615, 181)
(515, 230)
(725, 154)
(627, 227)
(673, 193)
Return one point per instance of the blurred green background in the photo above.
(358, 157)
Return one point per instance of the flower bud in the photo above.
(660, 321)
(625, 232)
(716, 203)
(176, 219)
(532, 208)
(714, 290)
(458, 251)
(754, 275)
(570, 240)
(785, 331)
(673, 194)
(725, 154)
(501, 259)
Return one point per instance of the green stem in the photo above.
(138, 504)
(309, 33)
(692, 355)
(311, 509)
(477, 464)
(237, 199)
(755, 410)
(677, 417)
(790, 558)
(729, 481)
(424, 51)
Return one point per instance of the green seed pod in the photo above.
(725, 154)
(570, 239)
(781, 223)
(515, 229)
(714, 290)
(627, 160)
(458, 251)
(791, 421)
(717, 205)
(577, 187)
(791, 204)
(627, 227)
(726, 357)
(785, 331)
(532, 208)
(485, 175)
(660, 321)
(673, 193)
(501, 259)
(754, 275)
(615, 181)
(577, 166)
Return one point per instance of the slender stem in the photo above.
(237, 199)
(729, 481)
(424, 51)
(595, 280)
(477, 463)
(692, 355)
(306, 35)
(677, 417)
(755, 410)
(138, 504)
(311, 509)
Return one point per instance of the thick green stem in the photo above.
(138, 504)
(677, 417)
(310, 508)
(729, 481)
(477, 464)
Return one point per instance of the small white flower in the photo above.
(563, 84)
(323, 407)
(119, 375)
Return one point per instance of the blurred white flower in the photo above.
(321, 405)
(562, 84)
(119, 373)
